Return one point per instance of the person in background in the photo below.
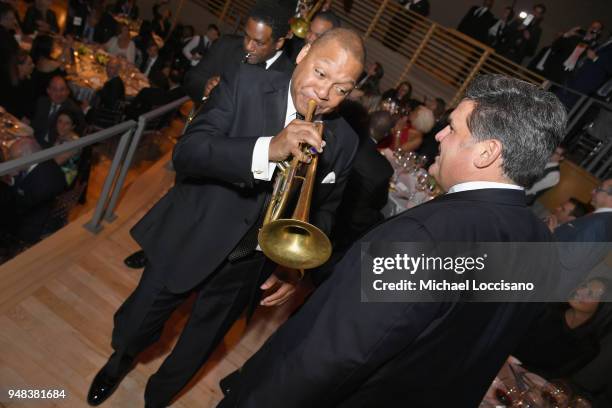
(18, 99)
(78, 12)
(107, 26)
(198, 46)
(402, 22)
(400, 93)
(523, 41)
(550, 177)
(149, 98)
(46, 67)
(65, 131)
(161, 20)
(47, 108)
(111, 95)
(88, 34)
(420, 122)
(40, 18)
(9, 26)
(175, 89)
(122, 45)
(566, 212)
(559, 61)
(437, 106)
(152, 61)
(477, 21)
(128, 8)
(35, 190)
(499, 32)
(568, 335)
(321, 23)
(369, 81)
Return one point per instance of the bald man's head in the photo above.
(23, 147)
(327, 70)
(347, 39)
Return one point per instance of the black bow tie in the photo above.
(299, 116)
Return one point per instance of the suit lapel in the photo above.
(274, 107)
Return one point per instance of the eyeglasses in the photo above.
(600, 189)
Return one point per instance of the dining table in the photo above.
(11, 130)
(86, 71)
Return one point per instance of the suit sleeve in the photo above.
(206, 150)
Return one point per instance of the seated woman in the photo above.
(401, 93)
(19, 98)
(46, 67)
(566, 337)
(122, 44)
(65, 128)
(409, 131)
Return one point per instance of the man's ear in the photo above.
(279, 43)
(303, 53)
(488, 151)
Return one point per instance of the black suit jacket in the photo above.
(224, 58)
(593, 74)
(192, 229)
(366, 193)
(337, 351)
(158, 65)
(33, 14)
(35, 195)
(42, 123)
(146, 100)
(477, 27)
(112, 92)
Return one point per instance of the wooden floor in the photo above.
(57, 302)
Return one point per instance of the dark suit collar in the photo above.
(490, 195)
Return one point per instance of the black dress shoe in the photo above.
(137, 260)
(102, 387)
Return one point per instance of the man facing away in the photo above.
(338, 351)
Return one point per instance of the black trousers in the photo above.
(220, 301)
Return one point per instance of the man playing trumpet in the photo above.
(202, 235)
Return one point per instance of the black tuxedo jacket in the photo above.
(158, 65)
(339, 352)
(112, 92)
(477, 27)
(42, 123)
(366, 193)
(35, 195)
(146, 100)
(193, 229)
(223, 58)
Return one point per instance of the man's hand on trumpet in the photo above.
(287, 142)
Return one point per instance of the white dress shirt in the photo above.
(150, 63)
(602, 210)
(273, 59)
(261, 166)
(479, 185)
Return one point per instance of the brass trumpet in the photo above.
(293, 242)
(300, 25)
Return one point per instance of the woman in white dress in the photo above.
(122, 45)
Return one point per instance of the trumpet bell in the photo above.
(299, 27)
(294, 243)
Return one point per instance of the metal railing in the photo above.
(131, 133)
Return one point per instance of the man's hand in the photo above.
(282, 293)
(288, 141)
(552, 222)
(211, 84)
(592, 55)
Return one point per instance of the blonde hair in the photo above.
(422, 119)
